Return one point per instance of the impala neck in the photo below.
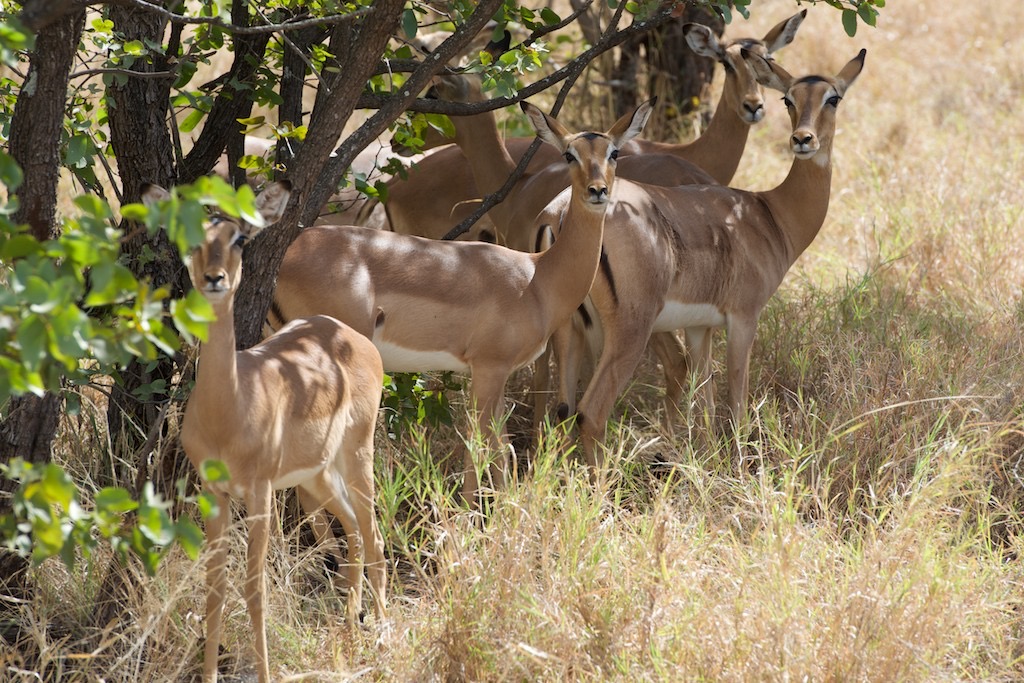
(480, 141)
(569, 266)
(217, 374)
(800, 204)
(719, 149)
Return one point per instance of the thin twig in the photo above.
(123, 72)
(249, 30)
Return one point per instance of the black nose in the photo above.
(214, 279)
(597, 193)
(802, 139)
(753, 108)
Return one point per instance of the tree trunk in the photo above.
(31, 423)
(142, 146)
(314, 172)
(675, 73)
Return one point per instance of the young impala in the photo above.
(463, 306)
(297, 410)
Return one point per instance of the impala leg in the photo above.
(216, 582)
(738, 345)
(488, 400)
(258, 507)
(330, 492)
(321, 524)
(541, 388)
(567, 344)
(357, 471)
(698, 340)
(618, 360)
(671, 353)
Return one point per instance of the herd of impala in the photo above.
(607, 244)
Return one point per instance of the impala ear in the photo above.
(782, 34)
(273, 200)
(548, 129)
(151, 194)
(703, 41)
(768, 72)
(849, 74)
(631, 125)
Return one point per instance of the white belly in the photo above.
(400, 359)
(677, 316)
(295, 477)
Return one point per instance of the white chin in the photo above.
(805, 153)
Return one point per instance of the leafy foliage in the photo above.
(412, 399)
(72, 309)
(50, 520)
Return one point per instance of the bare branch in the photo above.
(293, 25)
(608, 41)
(124, 72)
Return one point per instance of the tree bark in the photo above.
(29, 429)
(144, 151)
(677, 74)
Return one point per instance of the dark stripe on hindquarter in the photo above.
(606, 268)
(538, 239)
(588, 322)
(276, 318)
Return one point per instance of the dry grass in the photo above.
(875, 538)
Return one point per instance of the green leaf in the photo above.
(133, 47)
(57, 486)
(115, 500)
(111, 283)
(31, 338)
(80, 152)
(191, 121)
(192, 315)
(850, 22)
(549, 16)
(867, 14)
(19, 246)
(214, 471)
(410, 24)
(207, 504)
(135, 212)
(10, 173)
(190, 537)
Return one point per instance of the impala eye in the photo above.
(239, 240)
(833, 101)
(569, 157)
(788, 102)
(614, 155)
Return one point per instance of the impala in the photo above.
(435, 196)
(463, 306)
(443, 188)
(703, 257)
(297, 410)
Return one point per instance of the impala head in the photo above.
(742, 89)
(216, 264)
(591, 156)
(812, 102)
